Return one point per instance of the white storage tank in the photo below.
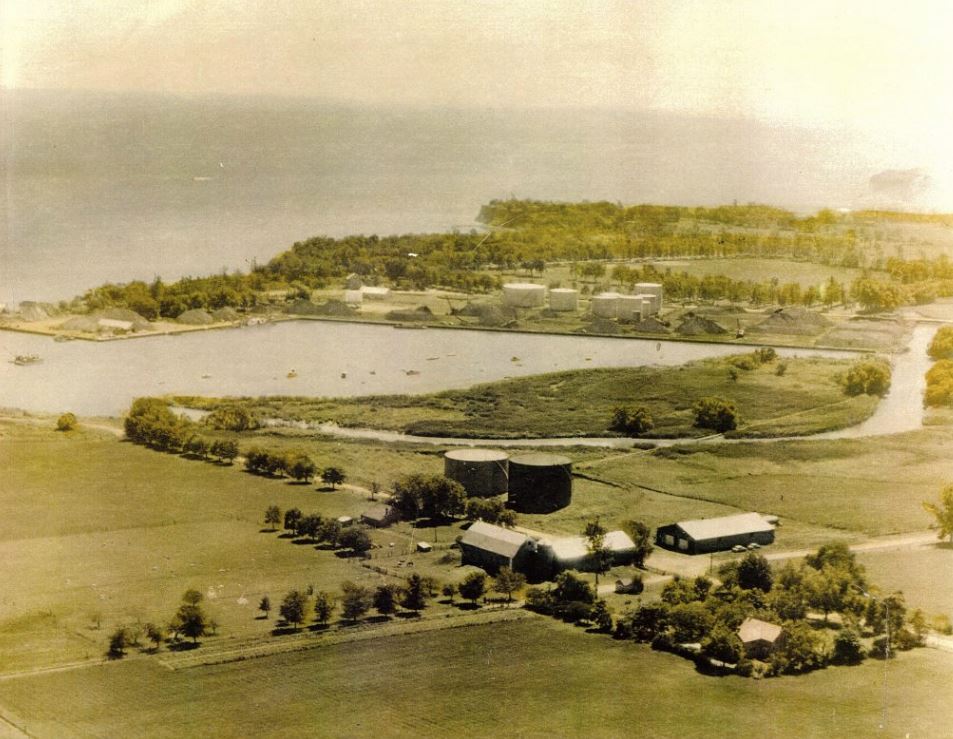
(523, 294)
(653, 304)
(563, 299)
(629, 307)
(651, 288)
(605, 305)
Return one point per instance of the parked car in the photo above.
(754, 545)
(739, 548)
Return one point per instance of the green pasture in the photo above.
(533, 678)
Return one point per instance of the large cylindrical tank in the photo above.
(539, 482)
(482, 472)
(523, 294)
(651, 288)
(563, 299)
(605, 305)
(629, 307)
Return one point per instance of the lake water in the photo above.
(104, 187)
(331, 359)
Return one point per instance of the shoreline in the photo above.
(424, 325)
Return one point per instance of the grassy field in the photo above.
(923, 575)
(526, 679)
(806, 399)
(868, 486)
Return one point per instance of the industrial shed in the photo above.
(715, 534)
(572, 553)
(492, 547)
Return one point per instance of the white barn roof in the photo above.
(576, 547)
(494, 539)
(713, 528)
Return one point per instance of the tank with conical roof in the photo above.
(482, 472)
(539, 482)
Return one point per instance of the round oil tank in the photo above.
(629, 307)
(523, 294)
(605, 305)
(563, 299)
(482, 472)
(539, 482)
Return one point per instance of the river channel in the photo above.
(347, 359)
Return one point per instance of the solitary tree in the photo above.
(192, 597)
(333, 476)
(385, 599)
(66, 422)
(190, 621)
(355, 601)
(323, 606)
(301, 468)
(943, 512)
(641, 535)
(293, 607)
(292, 517)
(154, 634)
(473, 587)
(754, 572)
(265, 605)
(356, 539)
(118, 642)
(415, 597)
(272, 516)
(508, 582)
(599, 553)
(449, 591)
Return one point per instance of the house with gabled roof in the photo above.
(715, 534)
(760, 638)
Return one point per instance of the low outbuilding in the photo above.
(715, 534)
(760, 638)
(572, 552)
(491, 547)
(380, 516)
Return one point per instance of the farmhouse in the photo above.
(715, 534)
(760, 638)
(380, 516)
(492, 547)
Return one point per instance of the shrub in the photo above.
(715, 414)
(848, 649)
(66, 422)
(871, 377)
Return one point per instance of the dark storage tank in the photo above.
(540, 483)
(482, 472)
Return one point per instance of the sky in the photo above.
(865, 65)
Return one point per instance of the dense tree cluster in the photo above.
(572, 599)
(491, 510)
(315, 528)
(631, 421)
(428, 496)
(828, 581)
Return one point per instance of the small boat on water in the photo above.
(411, 373)
(22, 359)
(292, 374)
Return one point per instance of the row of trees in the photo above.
(315, 528)
(294, 464)
(413, 595)
(190, 621)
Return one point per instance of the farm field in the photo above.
(806, 399)
(533, 678)
(923, 575)
(849, 485)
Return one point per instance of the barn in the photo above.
(715, 534)
(492, 547)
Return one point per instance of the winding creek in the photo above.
(347, 360)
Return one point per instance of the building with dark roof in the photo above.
(492, 547)
(715, 534)
(380, 516)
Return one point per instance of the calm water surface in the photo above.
(331, 359)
